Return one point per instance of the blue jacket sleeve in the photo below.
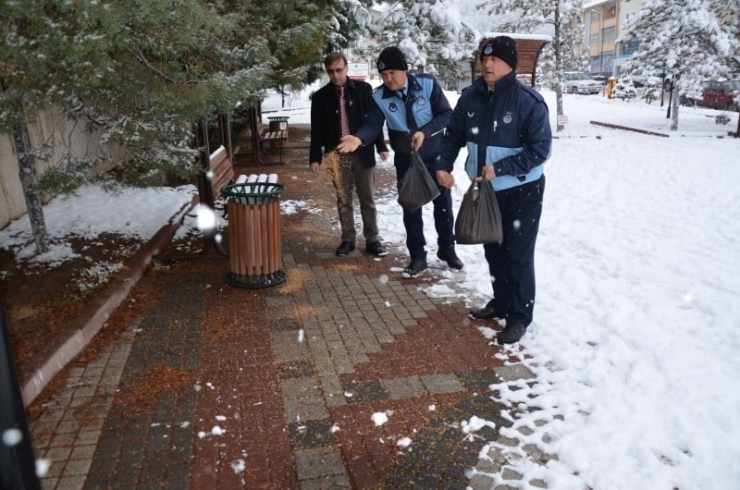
(372, 127)
(454, 138)
(435, 128)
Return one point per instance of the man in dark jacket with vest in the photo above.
(338, 108)
(416, 112)
(506, 128)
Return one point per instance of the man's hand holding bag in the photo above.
(479, 219)
(417, 187)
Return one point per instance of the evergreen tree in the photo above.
(431, 34)
(728, 13)
(142, 72)
(562, 19)
(684, 37)
(350, 21)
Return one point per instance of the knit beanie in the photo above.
(392, 58)
(502, 47)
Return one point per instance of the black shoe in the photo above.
(376, 248)
(345, 248)
(448, 255)
(415, 268)
(485, 313)
(511, 333)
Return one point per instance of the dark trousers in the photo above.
(511, 263)
(444, 222)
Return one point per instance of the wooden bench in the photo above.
(217, 170)
(278, 138)
(220, 172)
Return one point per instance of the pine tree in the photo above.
(565, 21)
(431, 34)
(350, 20)
(686, 38)
(141, 73)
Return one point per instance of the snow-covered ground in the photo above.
(637, 323)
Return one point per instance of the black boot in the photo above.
(448, 255)
(376, 248)
(345, 248)
(485, 313)
(511, 333)
(415, 268)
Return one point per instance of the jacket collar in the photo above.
(411, 82)
(505, 83)
(350, 85)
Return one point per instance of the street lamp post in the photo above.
(669, 85)
(662, 85)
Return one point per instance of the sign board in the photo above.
(358, 71)
(562, 120)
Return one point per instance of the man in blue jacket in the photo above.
(416, 112)
(505, 127)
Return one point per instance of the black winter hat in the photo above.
(502, 47)
(392, 58)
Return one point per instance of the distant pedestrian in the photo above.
(506, 128)
(416, 112)
(337, 109)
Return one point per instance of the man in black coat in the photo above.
(353, 171)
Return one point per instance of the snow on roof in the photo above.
(593, 3)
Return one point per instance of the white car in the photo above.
(577, 82)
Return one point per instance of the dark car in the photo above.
(720, 95)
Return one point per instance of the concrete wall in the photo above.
(49, 128)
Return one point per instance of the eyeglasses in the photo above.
(338, 70)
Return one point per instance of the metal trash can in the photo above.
(255, 248)
(278, 123)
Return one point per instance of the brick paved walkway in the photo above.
(215, 387)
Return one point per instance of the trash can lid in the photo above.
(253, 192)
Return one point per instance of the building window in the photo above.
(609, 34)
(627, 48)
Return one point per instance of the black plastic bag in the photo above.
(479, 219)
(417, 187)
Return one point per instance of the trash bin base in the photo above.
(254, 282)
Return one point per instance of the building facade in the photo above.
(603, 22)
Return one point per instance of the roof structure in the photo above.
(528, 46)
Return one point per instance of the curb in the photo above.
(107, 301)
(627, 128)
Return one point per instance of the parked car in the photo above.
(577, 82)
(599, 78)
(723, 95)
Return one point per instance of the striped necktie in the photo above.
(343, 118)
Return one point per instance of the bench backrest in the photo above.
(221, 171)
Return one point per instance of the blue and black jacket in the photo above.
(508, 128)
(426, 109)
